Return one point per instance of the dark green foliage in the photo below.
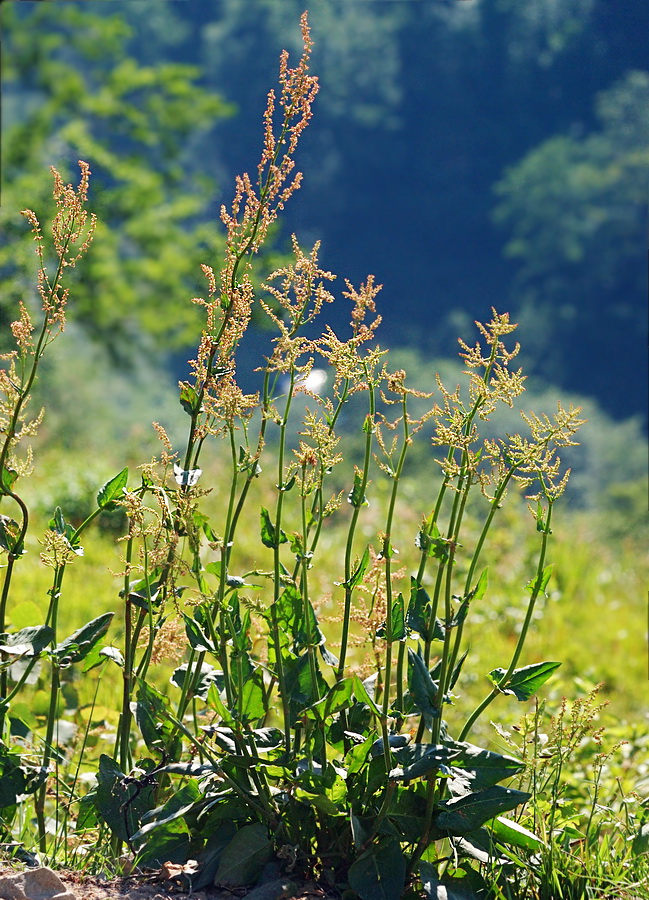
(78, 645)
(379, 873)
(121, 803)
(132, 122)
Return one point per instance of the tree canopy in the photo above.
(575, 207)
(469, 154)
(77, 91)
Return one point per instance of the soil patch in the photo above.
(20, 884)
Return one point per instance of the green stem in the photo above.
(124, 728)
(349, 590)
(387, 554)
(308, 617)
(277, 583)
(502, 684)
(495, 505)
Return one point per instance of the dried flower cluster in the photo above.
(255, 208)
(72, 233)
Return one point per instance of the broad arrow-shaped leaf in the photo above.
(380, 872)
(464, 815)
(525, 682)
(244, 857)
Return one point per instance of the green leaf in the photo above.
(121, 805)
(398, 629)
(357, 575)
(641, 840)
(57, 523)
(356, 757)
(169, 843)
(286, 485)
(87, 817)
(327, 656)
(79, 644)
(359, 834)
(9, 535)
(465, 885)
(539, 583)
(481, 845)
(417, 760)
(27, 642)
(215, 702)
(8, 478)
(337, 698)
(112, 491)
(268, 738)
(223, 736)
(114, 654)
(480, 589)
(177, 806)
(422, 688)
(269, 536)
(244, 857)
(432, 544)
(145, 591)
(12, 779)
(299, 685)
(461, 614)
(203, 523)
(357, 496)
(362, 694)
(251, 702)
(418, 608)
(197, 638)
(481, 769)
(380, 872)
(510, 832)
(99, 655)
(524, 682)
(457, 668)
(463, 815)
(319, 801)
(248, 463)
(150, 710)
(395, 742)
(209, 857)
(207, 677)
(408, 814)
(189, 399)
(298, 625)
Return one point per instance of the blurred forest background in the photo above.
(468, 153)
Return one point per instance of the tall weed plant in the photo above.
(274, 744)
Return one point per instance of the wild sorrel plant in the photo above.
(268, 745)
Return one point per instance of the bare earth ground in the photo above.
(25, 884)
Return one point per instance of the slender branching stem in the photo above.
(360, 490)
(536, 590)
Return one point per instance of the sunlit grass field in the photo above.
(593, 618)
